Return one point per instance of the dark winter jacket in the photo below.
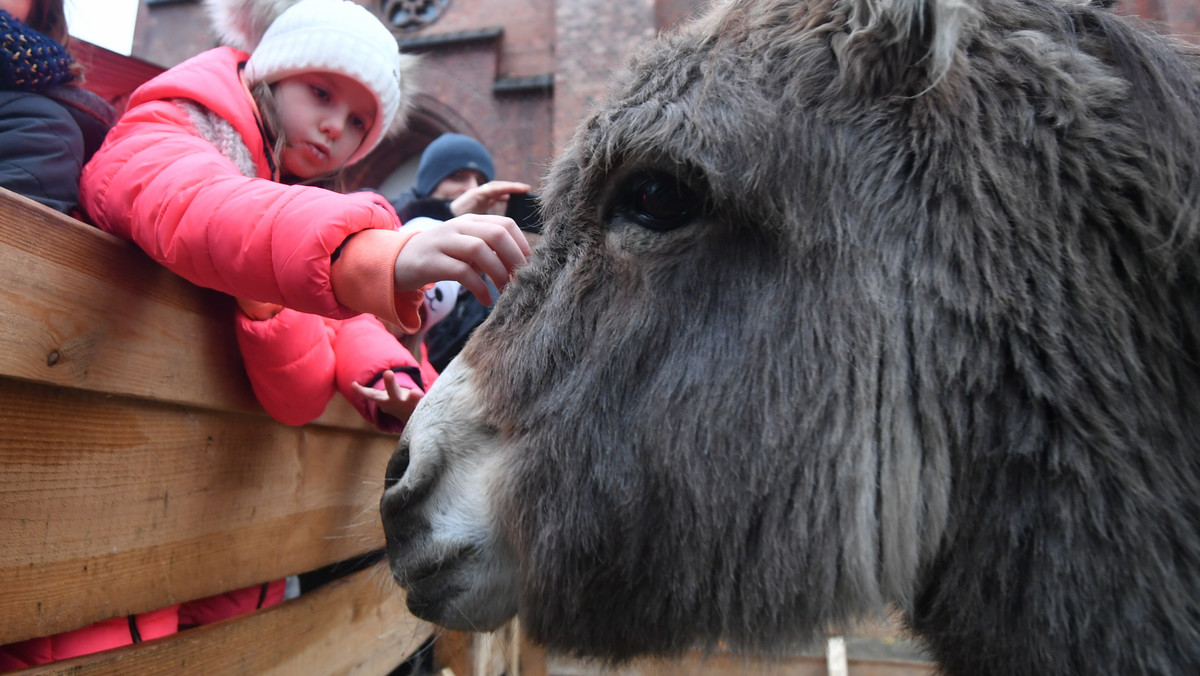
(45, 139)
(48, 127)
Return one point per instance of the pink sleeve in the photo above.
(157, 183)
(365, 349)
(290, 361)
(364, 278)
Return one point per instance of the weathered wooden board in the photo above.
(112, 505)
(357, 625)
(136, 468)
(84, 309)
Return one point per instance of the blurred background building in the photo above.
(518, 75)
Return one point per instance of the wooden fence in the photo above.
(138, 471)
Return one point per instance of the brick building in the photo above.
(516, 74)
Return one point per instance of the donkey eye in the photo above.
(657, 202)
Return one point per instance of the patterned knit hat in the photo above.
(286, 38)
(29, 60)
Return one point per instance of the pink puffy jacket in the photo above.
(123, 631)
(157, 182)
(296, 362)
(93, 638)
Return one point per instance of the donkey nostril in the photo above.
(397, 466)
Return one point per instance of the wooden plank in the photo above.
(532, 658)
(724, 664)
(874, 647)
(81, 308)
(113, 505)
(504, 652)
(358, 625)
(452, 652)
(111, 75)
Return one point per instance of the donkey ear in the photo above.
(901, 44)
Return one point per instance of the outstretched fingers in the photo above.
(462, 249)
(480, 199)
(504, 250)
(394, 400)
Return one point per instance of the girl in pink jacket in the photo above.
(211, 172)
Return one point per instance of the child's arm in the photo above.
(394, 399)
(289, 359)
(481, 198)
(366, 352)
(460, 250)
(383, 272)
(159, 184)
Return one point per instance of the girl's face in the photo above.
(18, 8)
(325, 117)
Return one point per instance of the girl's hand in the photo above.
(460, 250)
(394, 400)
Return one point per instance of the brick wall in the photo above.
(527, 47)
(459, 84)
(593, 38)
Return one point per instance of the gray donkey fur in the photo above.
(845, 304)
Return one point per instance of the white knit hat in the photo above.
(337, 36)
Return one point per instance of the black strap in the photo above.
(133, 630)
(262, 595)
